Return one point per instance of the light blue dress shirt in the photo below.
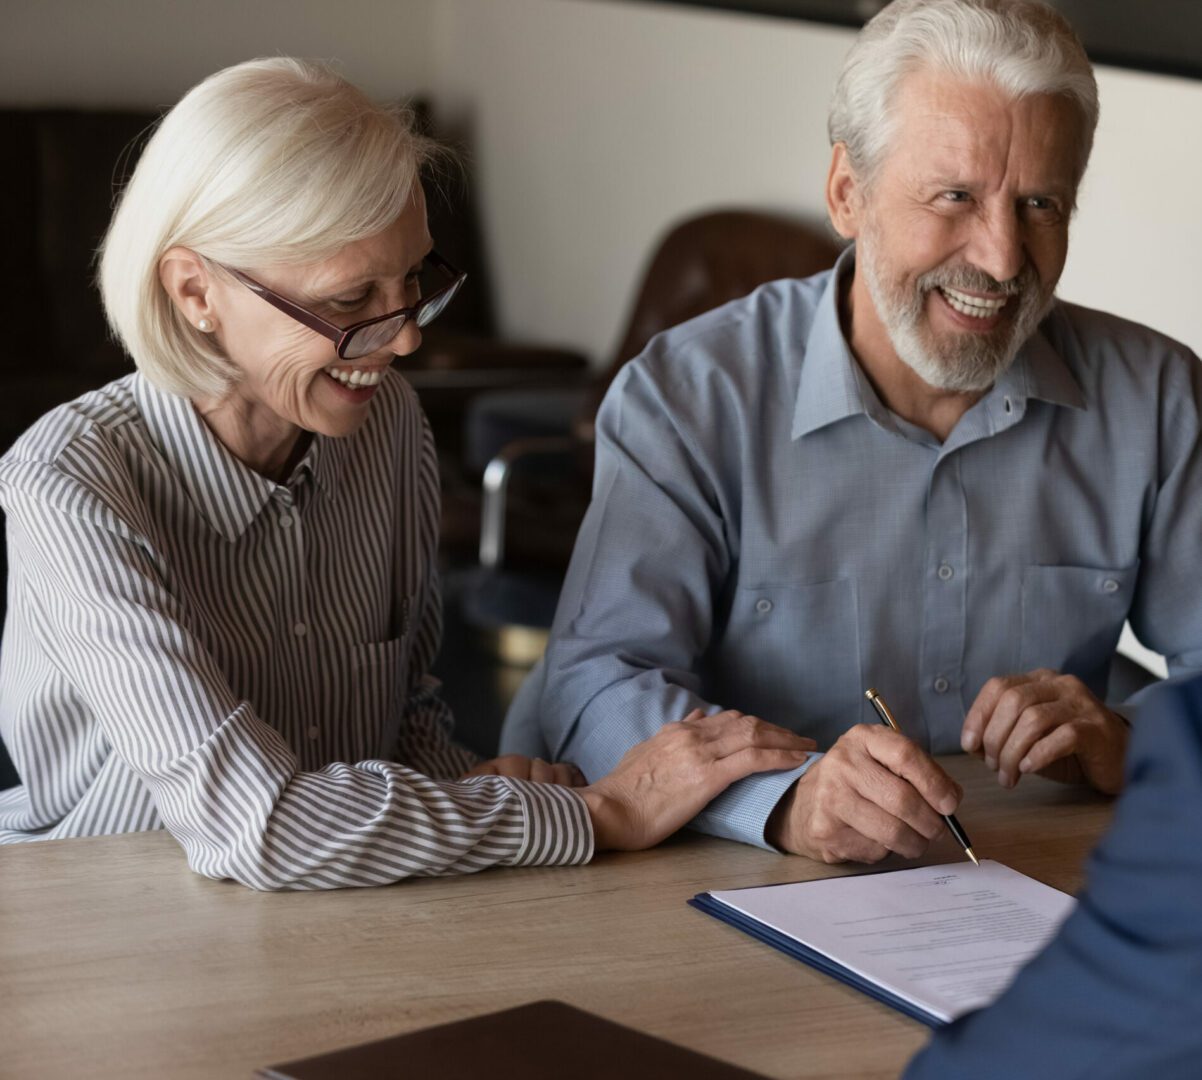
(766, 535)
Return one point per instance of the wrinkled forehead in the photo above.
(948, 126)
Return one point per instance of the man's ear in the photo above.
(844, 194)
(187, 280)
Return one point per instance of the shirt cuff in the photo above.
(741, 812)
(559, 830)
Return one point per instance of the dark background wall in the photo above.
(1149, 35)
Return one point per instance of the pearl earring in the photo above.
(204, 326)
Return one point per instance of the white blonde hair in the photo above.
(266, 162)
(1022, 47)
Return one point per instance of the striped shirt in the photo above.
(190, 645)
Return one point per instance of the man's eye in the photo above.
(1044, 208)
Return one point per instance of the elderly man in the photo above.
(919, 471)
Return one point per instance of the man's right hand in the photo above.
(664, 782)
(874, 792)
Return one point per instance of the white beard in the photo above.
(968, 362)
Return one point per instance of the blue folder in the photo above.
(794, 948)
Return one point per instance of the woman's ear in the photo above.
(844, 194)
(186, 279)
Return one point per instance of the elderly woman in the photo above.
(223, 603)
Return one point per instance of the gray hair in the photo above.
(1022, 47)
(266, 162)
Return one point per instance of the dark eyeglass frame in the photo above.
(342, 337)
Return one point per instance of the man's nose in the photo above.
(997, 245)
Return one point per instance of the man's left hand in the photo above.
(1047, 723)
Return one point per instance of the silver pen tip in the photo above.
(972, 855)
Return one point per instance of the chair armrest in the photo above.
(497, 475)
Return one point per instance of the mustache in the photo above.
(971, 278)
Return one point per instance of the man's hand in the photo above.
(874, 792)
(1047, 723)
(664, 782)
(523, 768)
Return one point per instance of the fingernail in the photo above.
(1024, 765)
(991, 761)
(1003, 778)
(968, 741)
(948, 806)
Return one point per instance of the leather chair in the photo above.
(539, 447)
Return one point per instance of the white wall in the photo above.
(146, 53)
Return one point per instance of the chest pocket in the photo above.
(791, 655)
(1072, 617)
(378, 674)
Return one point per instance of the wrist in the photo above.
(601, 814)
(777, 829)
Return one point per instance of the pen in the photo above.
(957, 829)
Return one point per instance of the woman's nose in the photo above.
(407, 339)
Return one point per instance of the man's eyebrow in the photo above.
(951, 183)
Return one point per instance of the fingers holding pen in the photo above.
(872, 793)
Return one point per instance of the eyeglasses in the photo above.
(370, 334)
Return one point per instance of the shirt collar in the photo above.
(829, 389)
(228, 493)
(1040, 372)
(832, 386)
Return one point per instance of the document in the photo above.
(934, 942)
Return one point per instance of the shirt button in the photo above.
(941, 685)
(300, 629)
(285, 521)
(946, 573)
(1110, 585)
(313, 732)
(763, 606)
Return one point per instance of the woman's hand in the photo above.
(523, 768)
(664, 782)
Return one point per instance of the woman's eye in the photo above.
(956, 196)
(349, 303)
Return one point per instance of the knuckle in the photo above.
(1012, 698)
(748, 726)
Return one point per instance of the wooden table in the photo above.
(116, 960)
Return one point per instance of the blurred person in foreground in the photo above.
(1115, 994)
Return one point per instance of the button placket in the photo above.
(944, 619)
(296, 626)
